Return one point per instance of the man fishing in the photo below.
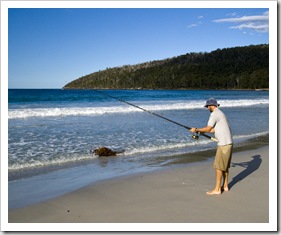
(219, 125)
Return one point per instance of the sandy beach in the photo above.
(176, 195)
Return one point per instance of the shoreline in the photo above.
(174, 195)
(186, 158)
(163, 89)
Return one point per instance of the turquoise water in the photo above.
(51, 133)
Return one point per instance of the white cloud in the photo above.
(259, 28)
(192, 25)
(258, 23)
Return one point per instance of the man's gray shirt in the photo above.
(221, 125)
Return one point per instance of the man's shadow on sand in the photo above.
(249, 166)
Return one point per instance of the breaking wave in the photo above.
(85, 111)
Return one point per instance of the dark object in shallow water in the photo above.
(105, 152)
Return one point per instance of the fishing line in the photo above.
(195, 136)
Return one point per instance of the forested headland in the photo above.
(230, 68)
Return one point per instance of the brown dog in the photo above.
(105, 152)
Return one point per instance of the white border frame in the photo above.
(271, 226)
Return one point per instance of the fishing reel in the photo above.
(196, 135)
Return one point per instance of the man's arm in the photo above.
(203, 129)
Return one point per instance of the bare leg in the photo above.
(225, 181)
(217, 189)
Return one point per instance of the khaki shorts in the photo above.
(223, 157)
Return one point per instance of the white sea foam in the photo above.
(165, 149)
(137, 151)
(250, 136)
(163, 106)
(48, 162)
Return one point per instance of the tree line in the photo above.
(230, 68)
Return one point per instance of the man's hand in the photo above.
(193, 129)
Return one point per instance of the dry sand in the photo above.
(176, 195)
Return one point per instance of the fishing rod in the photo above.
(194, 136)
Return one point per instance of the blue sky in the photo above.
(48, 48)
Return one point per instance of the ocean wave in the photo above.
(250, 136)
(85, 111)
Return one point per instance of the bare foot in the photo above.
(213, 192)
(225, 189)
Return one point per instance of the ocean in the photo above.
(51, 133)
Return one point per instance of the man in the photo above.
(219, 125)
